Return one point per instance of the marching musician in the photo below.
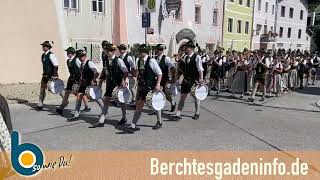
(89, 74)
(131, 66)
(149, 78)
(166, 64)
(261, 71)
(73, 64)
(316, 62)
(216, 71)
(193, 73)
(50, 71)
(116, 74)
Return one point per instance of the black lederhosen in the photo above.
(83, 86)
(215, 74)
(205, 69)
(261, 78)
(110, 85)
(186, 86)
(142, 92)
(45, 79)
(70, 83)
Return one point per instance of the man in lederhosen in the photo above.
(116, 74)
(216, 71)
(149, 78)
(50, 70)
(131, 66)
(260, 78)
(193, 73)
(166, 64)
(89, 74)
(73, 64)
(314, 70)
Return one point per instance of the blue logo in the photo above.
(27, 159)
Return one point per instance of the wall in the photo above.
(24, 26)
(234, 40)
(205, 32)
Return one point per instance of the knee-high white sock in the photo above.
(42, 96)
(103, 114)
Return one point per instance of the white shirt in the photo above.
(267, 62)
(279, 66)
(153, 65)
(167, 61)
(52, 58)
(130, 61)
(206, 58)
(78, 62)
(92, 66)
(219, 61)
(120, 63)
(198, 61)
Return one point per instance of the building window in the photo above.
(215, 17)
(178, 15)
(259, 5)
(246, 29)
(70, 4)
(289, 32)
(248, 3)
(283, 11)
(198, 14)
(291, 13)
(273, 9)
(98, 6)
(259, 26)
(301, 15)
(299, 34)
(230, 25)
(281, 32)
(267, 7)
(239, 26)
(241, 2)
(265, 29)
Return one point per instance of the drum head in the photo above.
(124, 95)
(201, 92)
(158, 100)
(56, 87)
(95, 92)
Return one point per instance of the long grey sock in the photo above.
(62, 94)
(42, 96)
(100, 103)
(78, 106)
(181, 104)
(136, 117)
(123, 110)
(197, 106)
(159, 119)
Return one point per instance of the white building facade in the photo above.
(199, 20)
(281, 24)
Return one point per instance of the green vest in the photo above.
(74, 70)
(146, 75)
(116, 73)
(191, 71)
(164, 69)
(47, 66)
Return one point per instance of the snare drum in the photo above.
(156, 99)
(122, 95)
(93, 92)
(56, 86)
(75, 88)
(199, 91)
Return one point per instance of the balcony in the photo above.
(269, 37)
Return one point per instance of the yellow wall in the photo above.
(25, 24)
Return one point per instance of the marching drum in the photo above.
(156, 99)
(199, 91)
(123, 95)
(75, 88)
(94, 92)
(56, 86)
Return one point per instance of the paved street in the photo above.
(290, 122)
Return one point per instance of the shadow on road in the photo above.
(309, 90)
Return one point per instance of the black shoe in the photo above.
(59, 111)
(176, 117)
(157, 126)
(196, 116)
(73, 118)
(261, 100)
(39, 108)
(99, 124)
(152, 113)
(122, 122)
(87, 109)
(173, 107)
(131, 130)
(250, 99)
(313, 84)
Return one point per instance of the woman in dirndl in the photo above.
(285, 74)
(239, 84)
(293, 74)
(276, 78)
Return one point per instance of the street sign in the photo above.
(151, 5)
(146, 20)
